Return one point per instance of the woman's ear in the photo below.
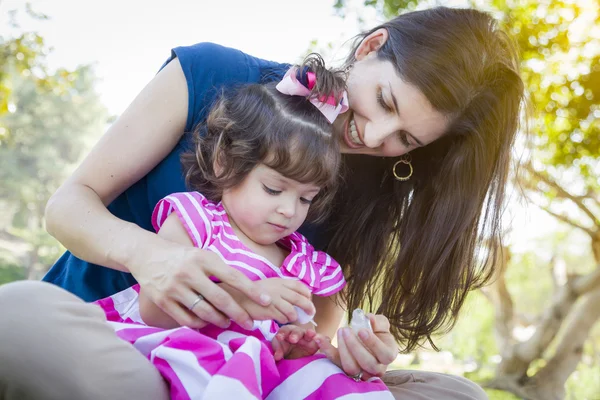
(217, 166)
(371, 44)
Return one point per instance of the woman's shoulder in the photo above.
(223, 59)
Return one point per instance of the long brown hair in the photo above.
(412, 250)
(258, 124)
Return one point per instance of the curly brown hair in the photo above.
(258, 124)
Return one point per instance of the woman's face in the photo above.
(387, 117)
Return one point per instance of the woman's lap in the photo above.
(55, 346)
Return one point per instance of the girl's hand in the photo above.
(293, 341)
(284, 294)
(174, 275)
(371, 354)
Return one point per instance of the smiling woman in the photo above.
(442, 85)
(389, 117)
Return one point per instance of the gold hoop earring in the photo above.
(404, 160)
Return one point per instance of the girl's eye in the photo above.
(404, 139)
(305, 201)
(382, 102)
(272, 192)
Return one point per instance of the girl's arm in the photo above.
(329, 314)
(77, 215)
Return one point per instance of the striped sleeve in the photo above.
(332, 278)
(193, 211)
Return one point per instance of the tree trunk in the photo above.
(549, 382)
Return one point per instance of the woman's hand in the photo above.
(173, 276)
(369, 352)
(284, 294)
(294, 341)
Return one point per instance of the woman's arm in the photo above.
(77, 215)
(147, 131)
(151, 314)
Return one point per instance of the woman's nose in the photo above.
(374, 136)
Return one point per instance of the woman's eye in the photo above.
(404, 139)
(271, 191)
(305, 201)
(381, 101)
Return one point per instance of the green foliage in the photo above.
(25, 55)
(561, 67)
(10, 273)
(500, 395)
(470, 340)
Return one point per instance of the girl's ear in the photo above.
(371, 43)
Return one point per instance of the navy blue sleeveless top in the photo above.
(208, 69)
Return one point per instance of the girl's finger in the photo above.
(278, 352)
(328, 349)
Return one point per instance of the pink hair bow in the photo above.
(290, 85)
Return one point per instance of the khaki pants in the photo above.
(53, 345)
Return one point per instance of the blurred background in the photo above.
(69, 68)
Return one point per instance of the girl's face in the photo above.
(267, 206)
(387, 117)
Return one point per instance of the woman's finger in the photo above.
(382, 346)
(214, 266)
(381, 343)
(298, 287)
(203, 309)
(182, 316)
(219, 300)
(287, 309)
(296, 299)
(379, 322)
(349, 364)
(276, 315)
(361, 355)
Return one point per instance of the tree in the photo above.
(25, 55)
(46, 121)
(559, 45)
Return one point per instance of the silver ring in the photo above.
(357, 377)
(195, 303)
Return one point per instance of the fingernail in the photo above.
(318, 341)
(249, 324)
(344, 332)
(363, 334)
(265, 299)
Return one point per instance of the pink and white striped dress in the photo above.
(236, 363)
